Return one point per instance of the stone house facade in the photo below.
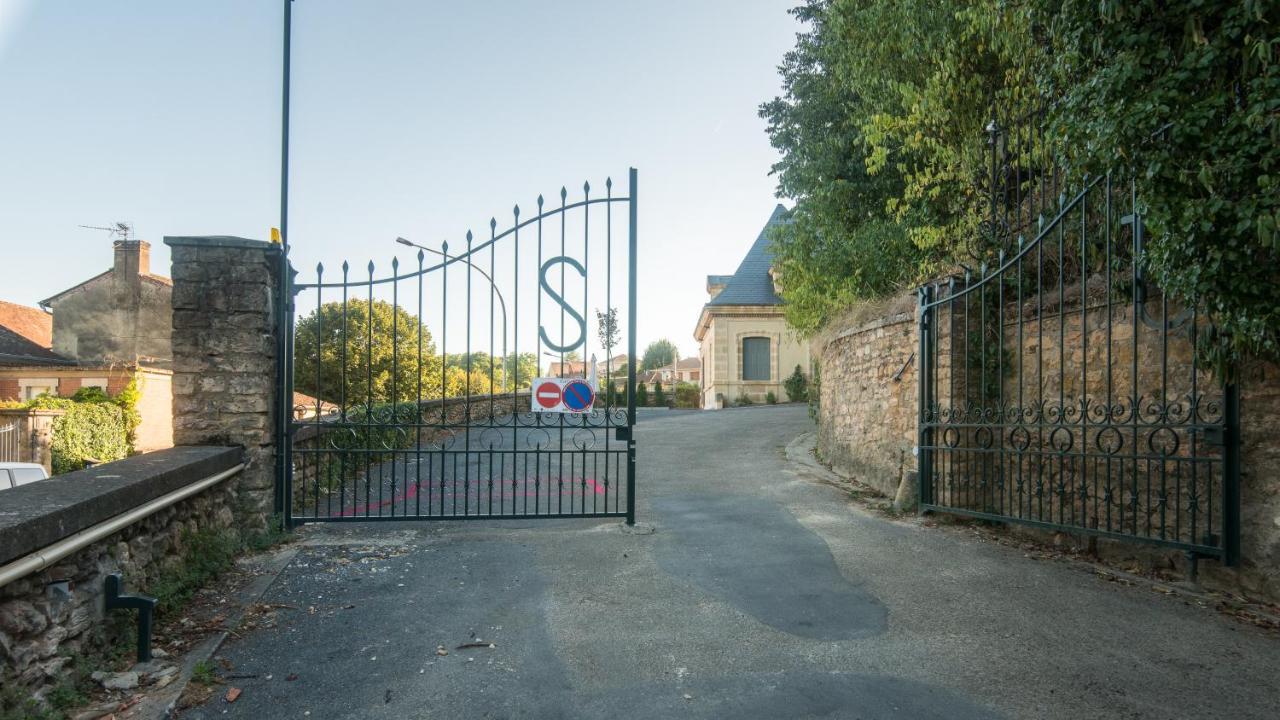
(746, 349)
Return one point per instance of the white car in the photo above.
(14, 474)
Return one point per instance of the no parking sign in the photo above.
(562, 395)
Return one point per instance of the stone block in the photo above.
(20, 618)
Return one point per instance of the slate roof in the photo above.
(751, 284)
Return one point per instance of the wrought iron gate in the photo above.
(1062, 388)
(9, 440)
(410, 386)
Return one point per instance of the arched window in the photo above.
(755, 358)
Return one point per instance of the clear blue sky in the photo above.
(411, 118)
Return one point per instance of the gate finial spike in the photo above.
(608, 183)
(493, 224)
(540, 200)
(444, 247)
(563, 193)
(319, 268)
(470, 237)
(421, 255)
(515, 210)
(345, 267)
(370, 267)
(395, 263)
(586, 187)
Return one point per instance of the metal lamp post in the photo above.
(501, 301)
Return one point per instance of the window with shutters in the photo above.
(755, 358)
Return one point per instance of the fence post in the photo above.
(924, 382)
(1231, 476)
(631, 351)
(225, 348)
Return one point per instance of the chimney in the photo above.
(133, 257)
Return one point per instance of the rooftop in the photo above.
(751, 284)
(26, 336)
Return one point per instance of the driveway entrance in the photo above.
(762, 593)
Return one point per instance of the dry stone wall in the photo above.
(867, 401)
(52, 615)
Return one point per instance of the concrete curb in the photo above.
(164, 704)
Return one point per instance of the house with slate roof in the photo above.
(746, 348)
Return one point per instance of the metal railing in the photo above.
(10, 436)
(1060, 388)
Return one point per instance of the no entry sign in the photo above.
(546, 395)
(562, 395)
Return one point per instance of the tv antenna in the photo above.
(119, 230)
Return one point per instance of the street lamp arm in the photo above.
(501, 300)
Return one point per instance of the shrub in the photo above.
(770, 398)
(642, 395)
(88, 431)
(94, 426)
(797, 386)
(743, 400)
(688, 395)
(659, 395)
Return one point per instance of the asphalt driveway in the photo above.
(761, 594)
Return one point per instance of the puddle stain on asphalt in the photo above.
(753, 554)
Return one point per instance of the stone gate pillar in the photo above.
(224, 356)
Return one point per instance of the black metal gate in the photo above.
(411, 386)
(1062, 389)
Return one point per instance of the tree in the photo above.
(381, 354)
(642, 395)
(659, 395)
(880, 129)
(1181, 95)
(459, 383)
(660, 353)
(607, 330)
(521, 370)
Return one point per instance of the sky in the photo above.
(409, 118)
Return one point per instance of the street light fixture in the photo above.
(502, 301)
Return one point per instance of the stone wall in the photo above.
(318, 470)
(50, 615)
(867, 400)
(224, 348)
